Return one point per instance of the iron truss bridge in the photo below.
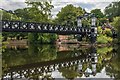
(18, 26)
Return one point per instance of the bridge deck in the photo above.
(18, 26)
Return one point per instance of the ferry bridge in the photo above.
(79, 30)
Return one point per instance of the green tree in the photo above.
(112, 10)
(68, 15)
(8, 15)
(97, 13)
(23, 13)
(116, 24)
(39, 11)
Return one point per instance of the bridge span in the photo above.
(18, 26)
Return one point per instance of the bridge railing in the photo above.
(18, 26)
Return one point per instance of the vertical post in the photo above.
(79, 21)
(93, 29)
(94, 59)
(79, 25)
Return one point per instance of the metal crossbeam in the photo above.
(18, 26)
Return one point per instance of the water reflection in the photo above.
(50, 61)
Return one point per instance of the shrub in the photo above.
(105, 36)
(103, 39)
(108, 32)
(116, 24)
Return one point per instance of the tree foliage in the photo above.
(68, 15)
(112, 10)
(105, 36)
(97, 13)
(116, 24)
(39, 11)
(9, 15)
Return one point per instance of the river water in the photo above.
(60, 61)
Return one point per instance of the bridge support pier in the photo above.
(93, 38)
(93, 35)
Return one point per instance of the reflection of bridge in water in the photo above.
(44, 68)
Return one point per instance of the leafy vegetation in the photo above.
(104, 36)
(112, 10)
(103, 39)
(116, 23)
(9, 16)
(68, 15)
(104, 50)
(98, 13)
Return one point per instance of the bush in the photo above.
(104, 50)
(103, 39)
(42, 38)
(108, 32)
(105, 36)
(116, 24)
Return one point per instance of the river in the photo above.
(37, 61)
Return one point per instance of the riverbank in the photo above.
(24, 43)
